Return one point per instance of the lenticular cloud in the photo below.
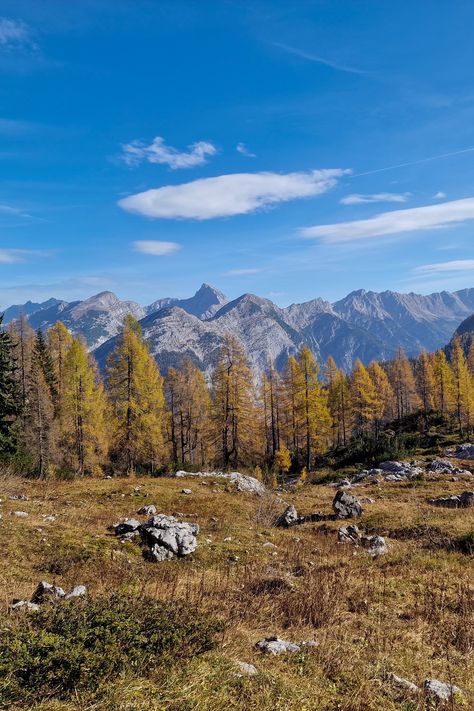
(227, 195)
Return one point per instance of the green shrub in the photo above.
(81, 645)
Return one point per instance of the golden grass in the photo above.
(410, 612)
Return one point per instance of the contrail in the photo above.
(413, 162)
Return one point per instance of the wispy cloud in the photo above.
(16, 256)
(395, 222)
(439, 195)
(310, 57)
(15, 34)
(157, 151)
(242, 272)
(358, 199)
(226, 195)
(242, 148)
(155, 248)
(456, 265)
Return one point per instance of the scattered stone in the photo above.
(463, 451)
(128, 525)
(346, 506)
(46, 592)
(375, 545)
(20, 514)
(49, 518)
(18, 497)
(461, 501)
(348, 534)
(77, 591)
(269, 544)
(149, 510)
(288, 518)
(243, 482)
(439, 691)
(403, 684)
(187, 491)
(19, 605)
(274, 645)
(246, 669)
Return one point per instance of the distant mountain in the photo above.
(466, 333)
(14, 312)
(363, 325)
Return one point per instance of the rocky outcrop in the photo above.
(47, 593)
(461, 501)
(464, 451)
(242, 482)
(375, 545)
(163, 537)
(346, 506)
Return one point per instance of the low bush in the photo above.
(82, 645)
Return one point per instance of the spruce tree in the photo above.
(10, 397)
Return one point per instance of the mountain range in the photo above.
(364, 324)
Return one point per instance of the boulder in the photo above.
(77, 591)
(346, 506)
(440, 692)
(460, 501)
(403, 684)
(375, 545)
(20, 514)
(246, 669)
(274, 645)
(24, 605)
(348, 534)
(288, 518)
(167, 537)
(464, 451)
(242, 482)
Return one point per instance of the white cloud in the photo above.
(137, 152)
(358, 199)
(439, 195)
(155, 248)
(226, 195)
(242, 272)
(242, 148)
(14, 34)
(456, 265)
(395, 222)
(16, 256)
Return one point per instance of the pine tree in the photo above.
(235, 427)
(86, 416)
(10, 397)
(136, 391)
(23, 339)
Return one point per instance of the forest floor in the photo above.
(409, 612)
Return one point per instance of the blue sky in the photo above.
(291, 149)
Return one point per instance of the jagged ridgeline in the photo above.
(364, 325)
(60, 415)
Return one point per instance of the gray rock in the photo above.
(18, 497)
(348, 534)
(460, 501)
(442, 466)
(242, 482)
(246, 669)
(24, 605)
(20, 514)
(375, 545)
(77, 591)
(346, 506)
(464, 451)
(439, 691)
(403, 684)
(188, 492)
(129, 525)
(49, 518)
(149, 510)
(288, 518)
(46, 592)
(274, 645)
(166, 537)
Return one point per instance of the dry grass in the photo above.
(410, 612)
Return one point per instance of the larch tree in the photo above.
(425, 382)
(384, 396)
(59, 340)
(86, 417)
(462, 386)
(40, 427)
(444, 386)
(402, 380)
(363, 398)
(292, 405)
(23, 339)
(270, 399)
(135, 386)
(314, 406)
(235, 426)
(339, 401)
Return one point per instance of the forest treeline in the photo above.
(59, 416)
